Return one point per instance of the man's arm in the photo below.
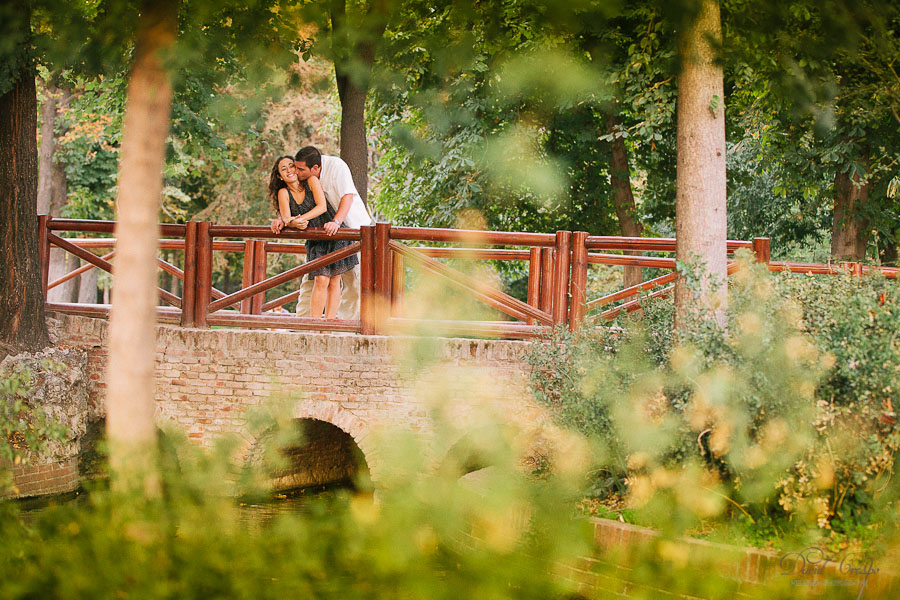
(331, 227)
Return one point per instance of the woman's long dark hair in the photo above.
(276, 182)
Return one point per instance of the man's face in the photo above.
(304, 172)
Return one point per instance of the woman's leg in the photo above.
(334, 297)
(319, 296)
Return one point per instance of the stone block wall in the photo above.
(54, 382)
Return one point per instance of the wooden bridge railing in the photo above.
(558, 267)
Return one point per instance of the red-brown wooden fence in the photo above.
(557, 274)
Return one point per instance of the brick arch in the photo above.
(333, 414)
(346, 421)
(464, 449)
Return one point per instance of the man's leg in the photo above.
(349, 308)
(303, 300)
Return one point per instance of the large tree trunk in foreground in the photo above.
(620, 181)
(130, 397)
(22, 325)
(850, 231)
(700, 218)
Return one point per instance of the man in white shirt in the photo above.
(341, 194)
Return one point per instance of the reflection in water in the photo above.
(298, 501)
(31, 508)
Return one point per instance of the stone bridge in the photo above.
(347, 390)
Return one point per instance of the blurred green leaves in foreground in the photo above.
(779, 429)
(778, 425)
(423, 535)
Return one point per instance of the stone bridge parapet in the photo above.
(209, 380)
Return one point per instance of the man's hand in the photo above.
(331, 227)
(276, 225)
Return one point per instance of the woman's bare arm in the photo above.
(284, 208)
(319, 196)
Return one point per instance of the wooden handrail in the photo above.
(832, 269)
(288, 275)
(634, 304)
(557, 272)
(103, 264)
(175, 244)
(628, 260)
(631, 291)
(76, 272)
(430, 234)
(173, 270)
(94, 226)
(259, 231)
(605, 242)
(497, 299)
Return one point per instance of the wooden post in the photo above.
(534, 279)
(44, 249)
(189, 288)
(579, 280)
(560, 290)
(547, 259)
(204, 275)
(398, 281)
(382, 275)
(259, 274)
(367, 279)
(247, 275)
(762, 249)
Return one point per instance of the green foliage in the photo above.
(26, 428)
(494, 134)
(817, 74)
(425, 536)
(855, 322)
(15, 39)
(427, 533)
(784, 417)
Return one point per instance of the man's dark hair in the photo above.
(309, 155)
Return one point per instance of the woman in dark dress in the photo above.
(303, 205)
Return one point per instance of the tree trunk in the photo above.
(888, 253)
(354, 149)
(52, 190)
(620, 181)
(61, 262)
(87, 287)
(48, 145)
(22, 325)
(353, 81)
(850, 231)
(700, 218)
(130, 398)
